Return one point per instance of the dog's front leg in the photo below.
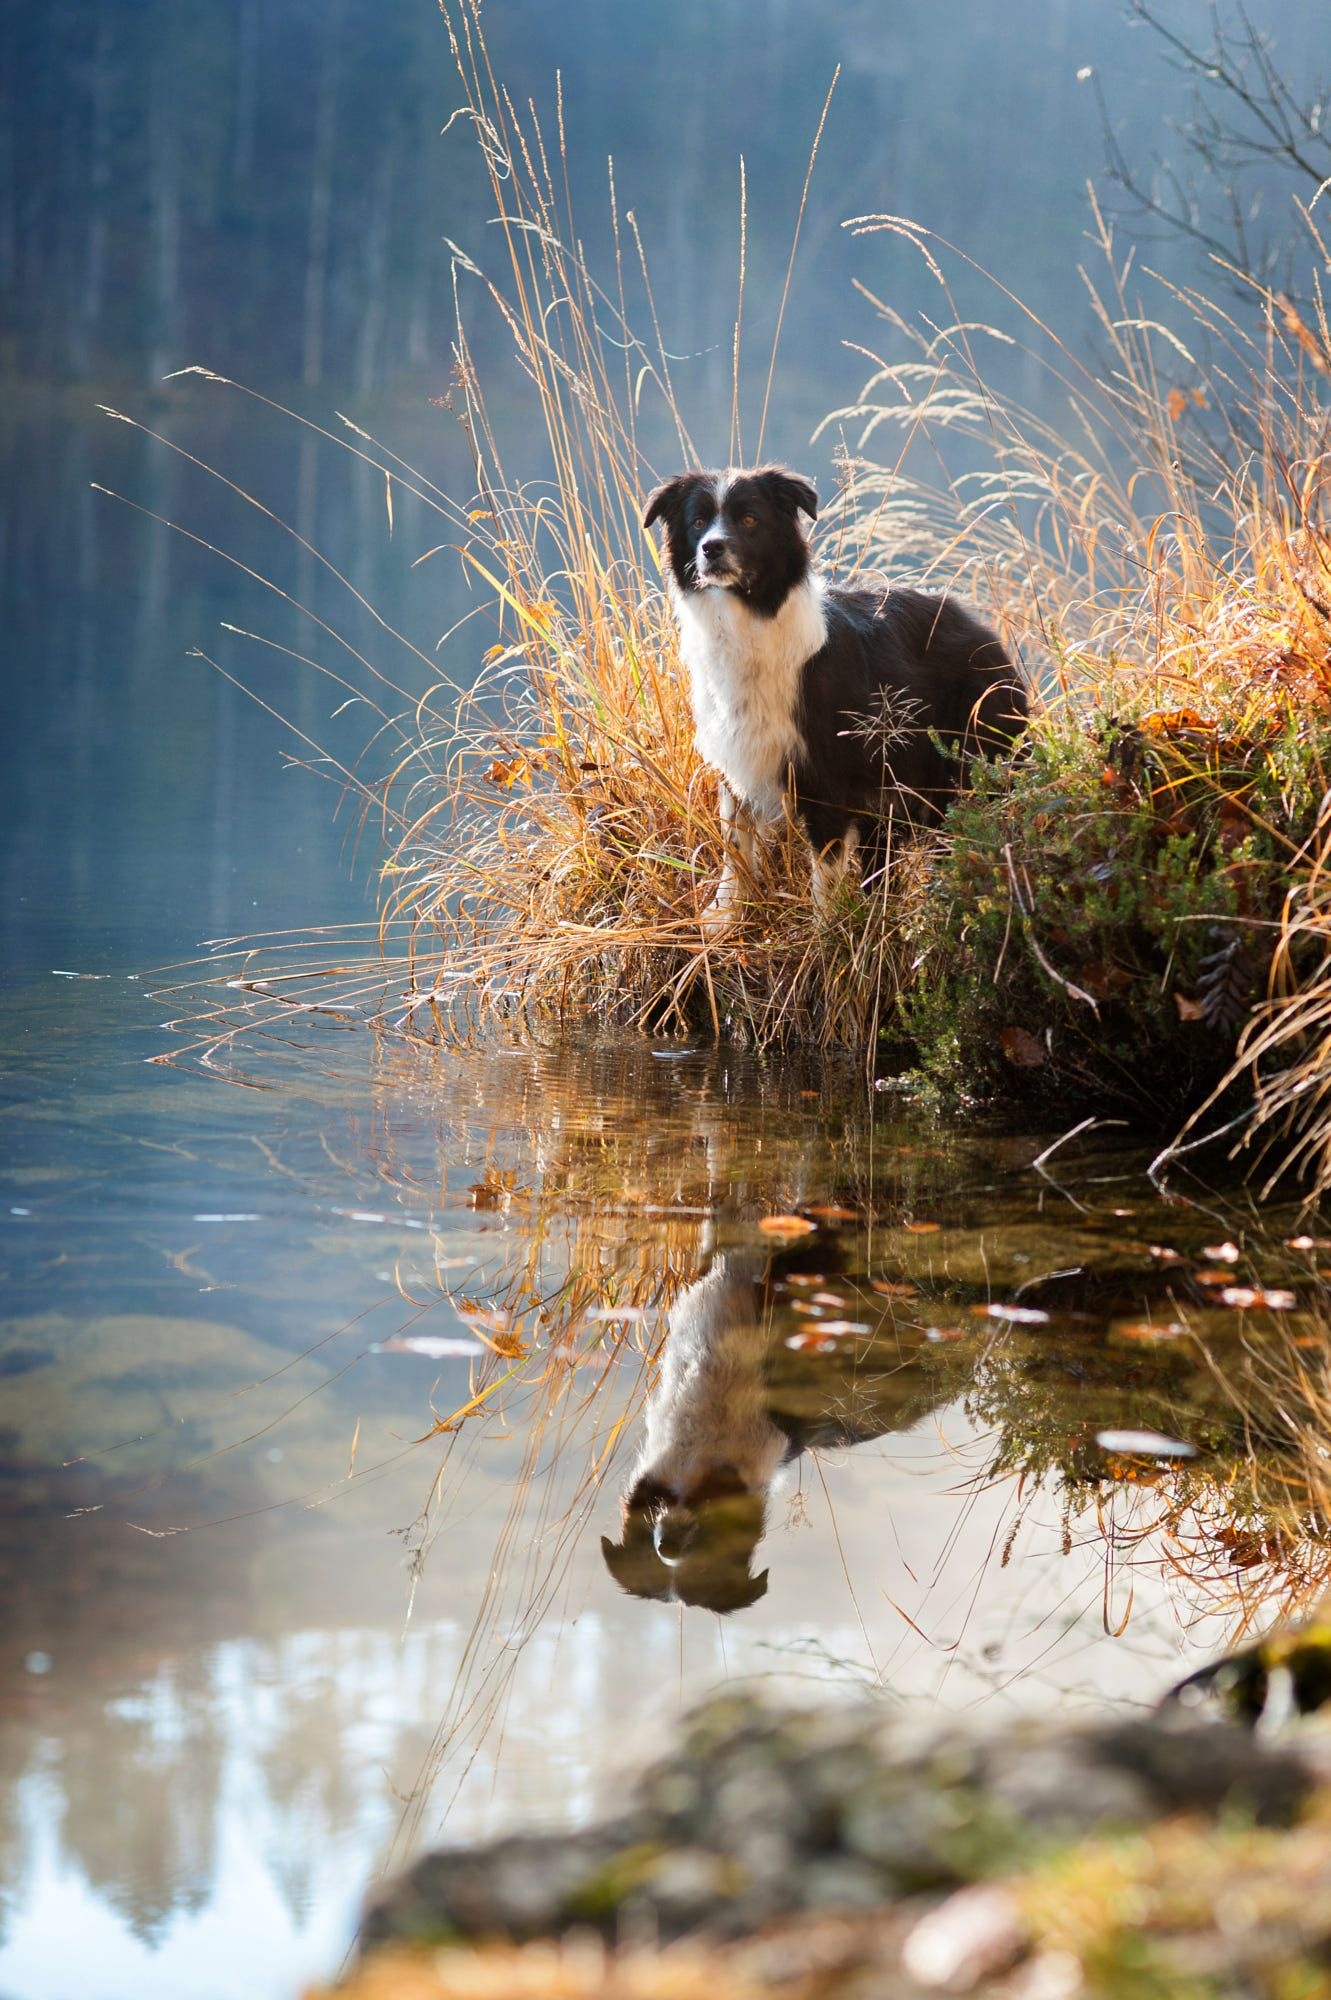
(717, 916)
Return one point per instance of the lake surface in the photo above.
(326, 1357)
(278, 1613)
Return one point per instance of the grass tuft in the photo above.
(1136, 911)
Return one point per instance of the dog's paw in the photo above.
(719, 916)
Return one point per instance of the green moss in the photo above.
(602, 1894)
(1098, 922)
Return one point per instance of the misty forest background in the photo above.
(266, 189)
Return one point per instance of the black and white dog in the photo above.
(857, 710)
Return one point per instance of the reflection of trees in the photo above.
(141, 1780)
(313, 1779)
(15, 1755)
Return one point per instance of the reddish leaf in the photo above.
(1022, 1048)
(1148, 1329)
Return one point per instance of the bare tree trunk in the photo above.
(426, 150)
(321, 202)
(247, 69)
(318, 237)
(374, 266)
(89, 320)
(164, 206)
(9, 189)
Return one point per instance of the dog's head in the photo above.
(692, 1548)
(737, 531)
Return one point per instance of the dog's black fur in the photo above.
(887, 695)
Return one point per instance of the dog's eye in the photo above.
(748, 520)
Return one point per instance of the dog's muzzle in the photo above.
(715, 564)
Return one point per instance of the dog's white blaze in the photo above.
(708, 1408)
(744, 672)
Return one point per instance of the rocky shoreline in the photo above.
(840, 1853)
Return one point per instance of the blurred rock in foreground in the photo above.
(835, 1854)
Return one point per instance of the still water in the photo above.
(321, 1395)
(327, 1359)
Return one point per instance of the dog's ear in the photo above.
(790, 490)
(636, 1567)
(667, 499)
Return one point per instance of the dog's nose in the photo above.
(712, 545)
(674, 1534)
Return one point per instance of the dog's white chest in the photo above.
(744, 674)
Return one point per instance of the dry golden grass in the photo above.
(1157, 554)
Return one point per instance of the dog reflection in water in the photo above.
(694, 1512)
(715, 1443)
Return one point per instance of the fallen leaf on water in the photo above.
(1020, 1046)
(1144, 1444)
(804, 1278)
(893, 1288)
(1252, 1297)
(786, 1225)
(1165, 1253)
(1021, 1315)
(829, 1299)
(496, 1190)
(1218, 1277)
(832, 1211)
(493, 1318)
(435, 1347)
(1308, 1242)
(921, 1228)
(1148, 1329)
(1222, 1253)
(813, 1342)
(843, 1326)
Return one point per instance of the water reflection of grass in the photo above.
(639, 1172)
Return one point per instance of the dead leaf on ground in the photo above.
(786, 1225)
(1021, 1047)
